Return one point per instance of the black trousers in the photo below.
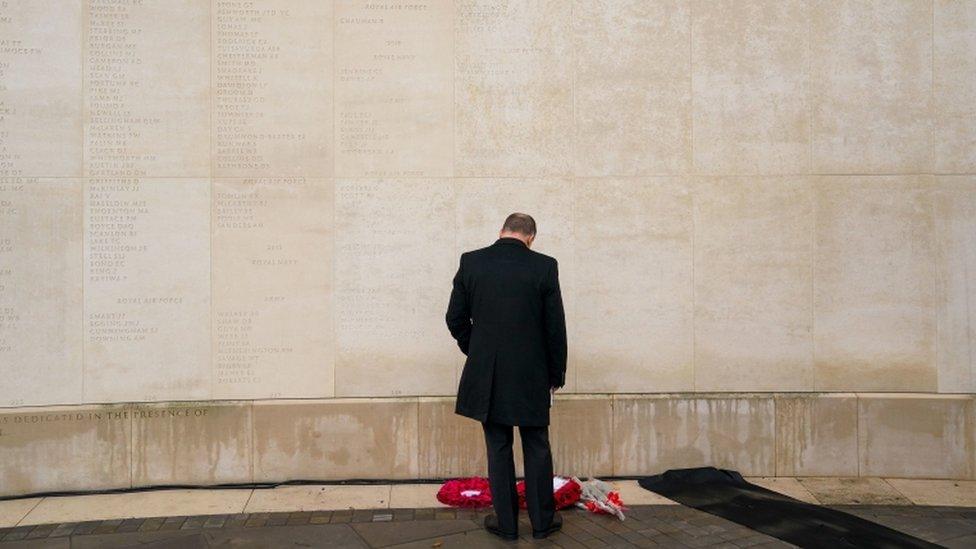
(538, 475)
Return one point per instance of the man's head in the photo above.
(520, 226)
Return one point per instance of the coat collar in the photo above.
(510, 240)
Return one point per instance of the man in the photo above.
(506, 313)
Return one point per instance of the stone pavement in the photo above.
(409, 515)
(646, 526)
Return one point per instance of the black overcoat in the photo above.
(506, 313)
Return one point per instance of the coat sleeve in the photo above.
(555, 324)
(458, 315)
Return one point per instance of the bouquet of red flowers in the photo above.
(600, 498)
(565, 491)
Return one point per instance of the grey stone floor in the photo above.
(646, 526)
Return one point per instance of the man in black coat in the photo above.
(506, 313)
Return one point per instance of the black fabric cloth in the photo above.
(506, 314)
(537, 461)
(726, 494)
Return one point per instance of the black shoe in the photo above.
(555, 526)
(491, 524)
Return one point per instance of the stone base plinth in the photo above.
(909, 435)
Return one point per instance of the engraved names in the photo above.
(40, 290)
(273, 88)
(147, 88)
(394, 88)
(40, 111)
(147, 289)
(272, 287)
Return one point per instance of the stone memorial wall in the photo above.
(228, 230)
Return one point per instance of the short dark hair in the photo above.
(520, 223)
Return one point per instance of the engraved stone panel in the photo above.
(64, 448)
(147, 289)
(394, 264)
(40, 110)
(582, 435)
(634, 285)
(955, 228)
(905, 436)
(339, 439)
(750, 62)
(395, 88)
(954, 86)
(147, 88)
(871, 86)
(666, 432)
(40, 291)
(632, 87)
(272, 77)
(451, 445)
(816, 435)
(272, 288)
(189, 443)
(483, 205)
(513, 88)
(874, 284)
(754, 284)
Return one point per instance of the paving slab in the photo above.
(324, 536)
(788, 486)
(383, 534)
(157, 503)
(631, 493)
(959, 493)
(12, 511)
(58, 543)
(156, 540)
(415, 495)
(320, 498)
(840, 491)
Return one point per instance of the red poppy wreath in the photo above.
(474, 492)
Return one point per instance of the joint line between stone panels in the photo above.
(254, 443)
(334, 183)
(969, 325)
(29, 511)
(84, 184)
(613, 433)
(575, 209)
(248, 500)
(694, 284)
(131, 444)
(454, 137)
(932, 85)
(775, 436)
(210, 212)
(575, 60)
(574, 185)
(691, 89)
(813, 282)
(457, 248)
(857, 433)
(807, 84)
(389, 499)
